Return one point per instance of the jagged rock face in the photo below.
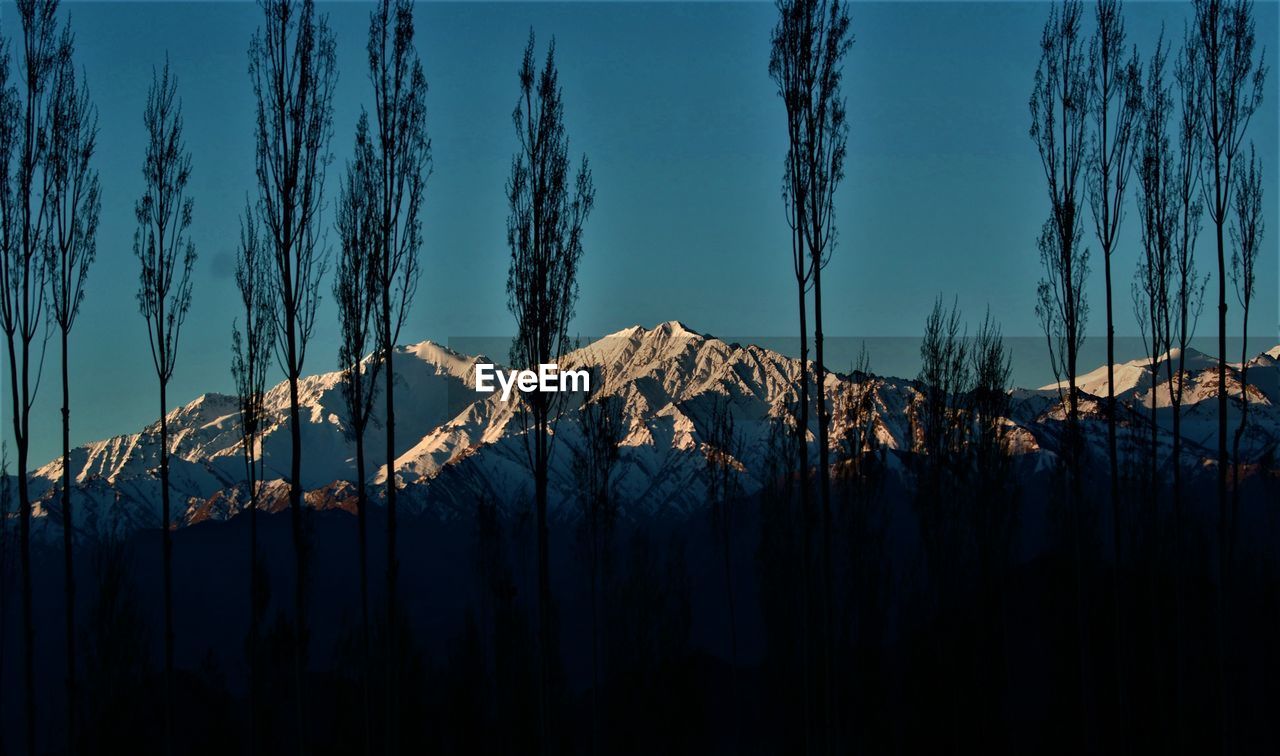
(454, 445)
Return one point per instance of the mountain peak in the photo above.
(666, 328)
(675, 328)
(442, 357)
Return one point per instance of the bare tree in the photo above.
(594, 465)
(400, 163)
(989, 406)
(292, 64)
(1059, 116)
(356, 291)
(810, 43)
(251, 351)
(1116, 91)
(5, 551)
(1230, 91)
(544, 232)
(1247, 230)
(1059, 107)
(1188, 285)
(166, 254)
(788, 75)
(24, 227)
(1186, 301)
(75, 202)
(1157, 208)
(723, 450)
(937, 417)
(940, 424)
(993, 501)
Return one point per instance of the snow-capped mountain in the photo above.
(1199, 422)
(455, 446)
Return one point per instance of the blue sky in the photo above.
(673, 104)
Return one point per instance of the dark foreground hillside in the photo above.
(938, 642)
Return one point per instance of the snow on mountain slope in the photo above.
(205, 436)
(668, 380)
(1200, 371)
(1199, 422)
(454, 445)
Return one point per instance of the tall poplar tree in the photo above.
(399, 163)
(166, 255)
(75, 202)
(548, 208)
(293, 67)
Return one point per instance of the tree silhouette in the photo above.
(251, 352)
(860, 475)
(1115, 97)
(356, 292)
(400, 163)
(939, 430)
(5, 551)
(1187, 286)
(75, 202)
(1230, 91)
(1247, 229)
(993, 509)
(989, 407)
(594, 466)
(1059, 117)
(1157, 207)
(722, 449)
(788, 75)
(544, 232)
(810, 43)
(25, 115)
(938, 427)
(1059, 107)
(292, 64)
(937, 417)
(1186, 300)
(166, 255)
(858, 444)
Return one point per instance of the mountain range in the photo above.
(456, 446)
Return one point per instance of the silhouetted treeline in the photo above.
(994, 585)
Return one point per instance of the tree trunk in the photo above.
(1116, 607)
(1222, 388)
(299, 546)
(1111, 408)
(1239, 435)
(253, 602)
(596, 548)
(68, 558)
(1224, 555)
(21, 428)
(824, 478)
(28, 624)
(362, 506)
(802, 450)
(393, 565)
(166, 522)
(544, 579)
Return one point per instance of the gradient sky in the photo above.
(673, 104)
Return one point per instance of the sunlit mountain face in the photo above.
(457, 446)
